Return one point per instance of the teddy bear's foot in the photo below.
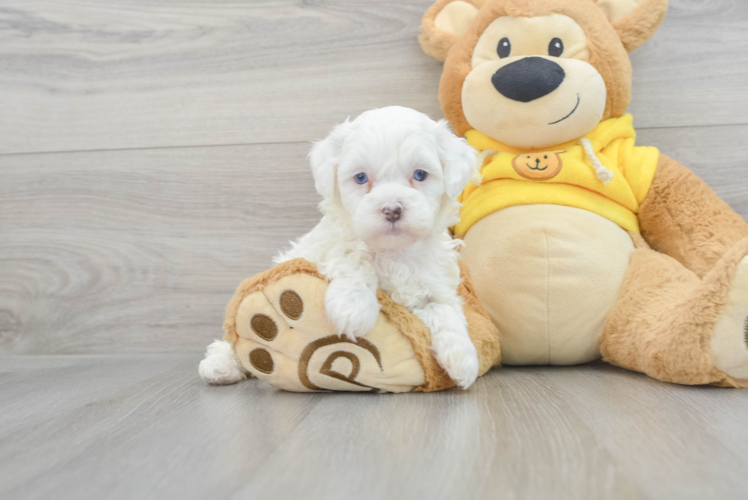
(285, 337)
(730, 340)
(280, 333)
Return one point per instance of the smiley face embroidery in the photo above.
(539, 166)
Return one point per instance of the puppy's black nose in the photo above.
(392, 212)
(528, 79)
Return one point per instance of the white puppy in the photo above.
(389, 179)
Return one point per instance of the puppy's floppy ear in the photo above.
(458, 158)
(324, 158)
(444, 23)
(635, 21)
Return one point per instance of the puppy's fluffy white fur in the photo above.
(359, 249)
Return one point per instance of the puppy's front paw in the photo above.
(353, 310)
(457, 355)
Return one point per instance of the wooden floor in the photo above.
(152, 155)
(144, 426)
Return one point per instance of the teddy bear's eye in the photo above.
(361, 178)
(556, 47)
(504, 48)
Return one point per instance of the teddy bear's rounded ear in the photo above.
(635, 21)
(444, 23)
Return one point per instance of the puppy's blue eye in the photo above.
(361, 178)
(420, 175)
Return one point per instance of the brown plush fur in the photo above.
(435, 378)
(482, 331)
(683, 218)
(434, 42)
(641, 24)
(607, 53)
(665, 315)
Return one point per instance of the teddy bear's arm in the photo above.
(683, 218)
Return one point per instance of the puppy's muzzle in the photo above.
(392, 212)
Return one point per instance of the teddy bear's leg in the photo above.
(682, 311)
(676, 326)
(682, 217)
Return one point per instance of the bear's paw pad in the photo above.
(285, 338)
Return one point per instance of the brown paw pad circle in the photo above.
(264, 326)
(261, 360)
(291, 304)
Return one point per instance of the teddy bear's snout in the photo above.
(528, 79)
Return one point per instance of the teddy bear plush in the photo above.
(581, 244)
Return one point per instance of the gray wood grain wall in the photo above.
(153, 154)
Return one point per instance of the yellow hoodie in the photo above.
(604, 172)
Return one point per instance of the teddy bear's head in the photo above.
(536, 73)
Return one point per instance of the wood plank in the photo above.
(82, 75)
(509, 437)
(693, 72)
(576, 432)
(139, 251)
(661, 432)
(114, 74)
(34, 388)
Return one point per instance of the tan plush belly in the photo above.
(547, 275)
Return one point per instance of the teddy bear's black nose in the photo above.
(528, 79)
